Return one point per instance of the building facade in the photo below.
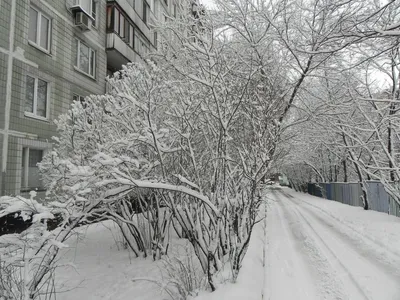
(54, 52)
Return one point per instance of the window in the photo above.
(79, 98)
(36, 97)
(85, 58)
(145, 7)
(110, 17)
(39, 29)
(121, 28)
(131, 37)
(155, 39)
(30, 176)
(94, 12)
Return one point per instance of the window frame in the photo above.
(24, 187)
(34, 114)
(92, 58)
(36, 44)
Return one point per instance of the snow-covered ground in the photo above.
(102, 269)
(315, 249)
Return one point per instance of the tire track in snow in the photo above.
(319, 261)
(385, 259)
(376, 254)
(393, 255)
(286, 272)
(362, 274)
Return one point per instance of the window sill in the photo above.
(33, 116)
(40, 48)
(84, 73)
(27, 190)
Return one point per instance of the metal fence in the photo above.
(351, 194)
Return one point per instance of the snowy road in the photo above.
(312, 255)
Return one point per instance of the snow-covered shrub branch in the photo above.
(27, 259)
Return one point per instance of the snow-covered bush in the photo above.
(25, 271)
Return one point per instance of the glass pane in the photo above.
(122, 26)
(127, 31)
(131, 36)
(84, 53)
(109, 16)
(116, 20)
(44, 33)
(94, 12)
(83, 102)
(86, 5)
(136, 44)
(34, 178)
(76, 53)
(92, 62)
(29, 93)
(33, 20)
(35, 157)
(41, 98)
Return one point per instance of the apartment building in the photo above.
(47, 58)
(53, 52)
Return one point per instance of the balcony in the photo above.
(119, 53)
(137, 11)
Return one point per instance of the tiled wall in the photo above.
(57, 68)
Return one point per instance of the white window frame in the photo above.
(38, 31)
(77, 61)
(25, 170)
(34, 113)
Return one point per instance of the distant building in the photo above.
(54, 52)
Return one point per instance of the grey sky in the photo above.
(207, 3)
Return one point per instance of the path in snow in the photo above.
(312, 255)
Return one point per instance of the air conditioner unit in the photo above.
(82, 21)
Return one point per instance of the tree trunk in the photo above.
(345, 179)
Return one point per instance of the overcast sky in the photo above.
(207, 3)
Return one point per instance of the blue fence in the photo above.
(351, 194)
